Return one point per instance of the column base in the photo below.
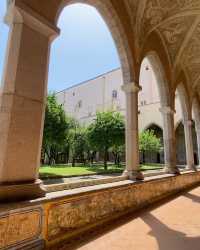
(21, 191)
(133, 175)
(192, 168)
(171, 170)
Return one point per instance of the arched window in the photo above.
(114, 94)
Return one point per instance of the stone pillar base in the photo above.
(192, 168)
(171, 170)
(133, 175)
(22, 191)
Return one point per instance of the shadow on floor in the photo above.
(193, 197)
(167, 238)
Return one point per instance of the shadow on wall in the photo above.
(167, 238)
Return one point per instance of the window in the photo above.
(114, 94)
(143, 103)
(80, 104)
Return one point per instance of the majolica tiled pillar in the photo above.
(22, 104)
(132, 170)
(169, 140)
(189, 144)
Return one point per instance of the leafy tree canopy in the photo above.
(107, 130)
(56, 126)
(148, 142)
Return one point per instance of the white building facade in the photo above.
(103, 93)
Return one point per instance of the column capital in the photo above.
(167, 110)
(187, 122)
(20, 13)
(131, 87)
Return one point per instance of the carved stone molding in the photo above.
(131, 88)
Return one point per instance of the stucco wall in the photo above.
(63, 215)
(83, 100)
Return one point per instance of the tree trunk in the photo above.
(73, 162)
(105, 159)
(115, 158)
(118, 160)
(92, 157)
(143, 156)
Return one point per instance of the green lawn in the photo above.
(67, 170)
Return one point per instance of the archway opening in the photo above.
(186, 139)
(195, 145)
(151, 99)
(180, 146)
(86, 63)
(196, 129)
(154, 157)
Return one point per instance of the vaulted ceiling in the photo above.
(176, 22)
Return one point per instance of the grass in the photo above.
(67, 170)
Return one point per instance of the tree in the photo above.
(118, 152)
(72, 124)
(79, 144)
(55, 127)
(107, 130)
(149, 142)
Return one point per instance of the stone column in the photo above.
(132, 170)
(196, 110)
(169, 140)
(197, 127)
(22, 104)
(189, 144)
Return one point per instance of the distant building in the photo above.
(103, 93)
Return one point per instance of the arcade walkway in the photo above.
(172, 225)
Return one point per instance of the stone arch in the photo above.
(155, 50)
(184, 102)
(180, 144)
(154, 157)
(178, 123)
(196, 117)
(161, 79)
(152, 124)
(188, 131)
(196, 109)
(112, 20)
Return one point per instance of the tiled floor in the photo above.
(173, 225)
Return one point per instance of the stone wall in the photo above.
(21, 227)
(57, 218)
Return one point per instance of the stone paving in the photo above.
(172, 225)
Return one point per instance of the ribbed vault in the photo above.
(176, 23)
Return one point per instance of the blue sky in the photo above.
(84, 49)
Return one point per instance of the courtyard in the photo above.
(100, 125)
(69, 171)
